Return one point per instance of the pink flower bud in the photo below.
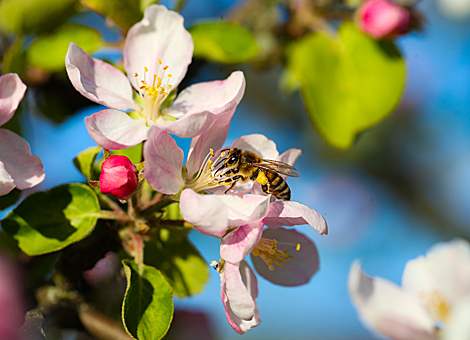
(382, 18)
(118, 177)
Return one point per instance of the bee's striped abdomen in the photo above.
(276, 186)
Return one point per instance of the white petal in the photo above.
(239, 243)
(210, 96)
(12, 91)
(159, 36)
(244, 208)
(25, 170)
(98, 81)
(113, 129)
(163, 162)
(445, 269)
(387, 309)
(259, 144)
(6, 182)
(458, 326)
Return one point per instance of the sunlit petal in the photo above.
(12, 91)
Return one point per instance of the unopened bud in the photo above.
(383, 19)
(118, 177)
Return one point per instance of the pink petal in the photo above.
(290, 156)
(259, 144)
(25, 170)
(240, 242)
(190, 125)
(160, 35)
(290, 213)
(445, 269)
(206, 213)
(213, 138)
(245, 208)
(113, 129)
(163, 162)
(384, 307)
(6, 182)
(98, 81)
(301, 267)
(239, 289)
(12, 91)
(211, 96)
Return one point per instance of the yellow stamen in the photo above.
(268, 251)
(437, 304)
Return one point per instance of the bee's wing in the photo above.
(280, 167)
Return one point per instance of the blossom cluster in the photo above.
(157, 52)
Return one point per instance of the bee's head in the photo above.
(232, 158)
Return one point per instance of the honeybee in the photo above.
(245, 165)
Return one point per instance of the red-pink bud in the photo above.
(382, 18)
(118, 177)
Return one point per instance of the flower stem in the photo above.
(158, 206)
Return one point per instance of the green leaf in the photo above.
(134, 153)
(48, 51)
(14, 58)
(179, 261)
(49, 221)
(34, 16)
(123, 13)
(172, 212)
(223, 42)
(348, 85)
(147, 309)
(85, 160)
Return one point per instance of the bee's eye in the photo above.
(232, 160)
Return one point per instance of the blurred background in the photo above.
(401, 188)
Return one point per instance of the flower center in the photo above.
(155, 94)
(206, 178)
(437, 305)
(269, 252)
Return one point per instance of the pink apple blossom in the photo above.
(213, 214)
(18, 168)
(434, 298)
(118, 177)
(157, 53)
(382, 18)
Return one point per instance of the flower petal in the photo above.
(25, 170)
(239, 289)
(290, 156)
(12, 91)
(458, 327)
(213, 138)
(207, 213)
(240, 242)
(98, 81)
(301, 267)
(190, 125)
(113, 129)
(385, 308)
(259, 144)
(245, 208)
(445, 269)
(163, 162)
(160, 35)
(6, 182)
(290, 213)
(210, 96)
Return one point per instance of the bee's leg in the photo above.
(234, 181)
(231, 171)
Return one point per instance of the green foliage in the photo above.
(179, 261)
(348, 85)
(9, 199)
(48, 50)
(172, 212)
(34, 16)
(134, 153)
(147, 309)
(123, 13)
(85, 160)
(223, 42)
(14, 58)
(49, 221)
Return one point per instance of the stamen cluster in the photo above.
(269, 252)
